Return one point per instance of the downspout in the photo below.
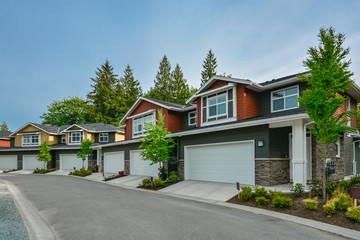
(305, 154)
(354, 161)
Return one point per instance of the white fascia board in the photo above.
(230, 85)
(27, 133)
(143, 113)
(281, 83)
(116, 143)
(17, 149)
(75, 125)
(241, 125)
(73, 148)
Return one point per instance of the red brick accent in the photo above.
(4, 143)
(217, 84)
(128, 129)
(199, 110)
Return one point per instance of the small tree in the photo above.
(328, 79)
(157, 148)
(44, 153)
(85, 150)
(4, 127)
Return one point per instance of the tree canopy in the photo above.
(66, 112)
(209, 66)
(328, 78)
(131, 88)
(4, 127)
(85, 151)
(44, 153)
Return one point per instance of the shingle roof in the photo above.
(99, 127)
(169, 104)
(47, 128)
(5, 134)
(280, 79)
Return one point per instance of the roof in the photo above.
(276, 80)
(95, 127)
(169, 104)
(5, 134)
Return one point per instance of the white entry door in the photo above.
(142, 167)
(114, 162)
(8, 162)
(69, 161)
(30, 162)
(221, 162)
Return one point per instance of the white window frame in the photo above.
(284, 89)
(71, 142)
(338, 148)
(190, 118)
(102, 136)
(23, 144)
(216, 105)
(142, 132)
(348, 108)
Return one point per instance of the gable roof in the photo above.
(164, 104)
(94, 127)
(46, 128)
(5, 135)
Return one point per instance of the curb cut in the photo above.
(36, 227)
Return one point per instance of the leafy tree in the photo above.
(163, 87)
(209, 66)
(180, 87)
(328, 79)
(105, 102)
(66, 112)
(157, 148)
(131, 88)
(4, 127)
(85, 151)
(226, 75)
(44, 153)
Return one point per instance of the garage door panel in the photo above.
(30, 162)
(69, 161)
(142, 167)
(114, 162)
(230, 162)
(8, 162)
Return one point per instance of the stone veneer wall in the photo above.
(272, 172)
(127, 167)
(180, 168)
(19, 164)
(318, 160)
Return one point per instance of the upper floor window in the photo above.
(139, 124)
(192, 118)
(284, 99)
(103, 137)
(76, 137)
(30, 140)
(63, 138)
(219, 106)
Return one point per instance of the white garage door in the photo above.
(69, 161)
(141, 167)
(223, 162)
(30, 162)
(114, 162)
(8, 162)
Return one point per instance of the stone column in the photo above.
(298, 157)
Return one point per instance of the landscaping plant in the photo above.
(311, 204)
(43, 171)
(146, 182)
(246, 193)
(260, 191)
(85, 151)
(354, 213)
(44, 153)
(281, 202)
(173, 178)
(158, 182)
(81, 173)
(262, 200)
(297, 189)
(329, 207)
(274, 193)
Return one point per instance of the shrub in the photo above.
(281, 202)
(311, 204)
(43, 171)
(173, 178)
(262, 200)
(112, 177)
(343, 202)
(274, 193)
(354, 213)
(81, 173)
(316, 187)
(297, 189)
(158, 182)
(260, 191)
(331, 186)
(345, 184)
(329, 207)
(146, 182)
(245, 194)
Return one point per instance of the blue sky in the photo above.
(50, 49)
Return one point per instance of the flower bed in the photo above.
(81, 172)
(43, 171)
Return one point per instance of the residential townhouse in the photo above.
(4, 139)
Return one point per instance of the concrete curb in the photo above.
(37, 228)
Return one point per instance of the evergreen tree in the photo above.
(4, 127)
(209, 66)
(181, 88)
(163, 87)
(131, 87)
(105, 102)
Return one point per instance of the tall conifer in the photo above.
(209, 66)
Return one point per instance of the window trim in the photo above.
(71, 142)
(63, 137)
(23, 144)
(283, 89)
(338, 153)
(348, 108)
(142, 133)
(189, 118)
(104, 134)
(217, 95)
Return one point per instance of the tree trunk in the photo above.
(324, 173)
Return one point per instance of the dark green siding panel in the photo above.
(279, 142)
(260, 132)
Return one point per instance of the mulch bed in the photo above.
(166, 184)
(298, 209)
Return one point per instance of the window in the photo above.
(30, 140)
(192, 118)
(63, 138)
(337, 144)
(139, 124)
(285, 99)
(348, 107)
(104, 137)
(76, 137)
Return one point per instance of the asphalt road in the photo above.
(81, 209)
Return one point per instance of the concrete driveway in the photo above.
(128, 181)
(200, 189)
